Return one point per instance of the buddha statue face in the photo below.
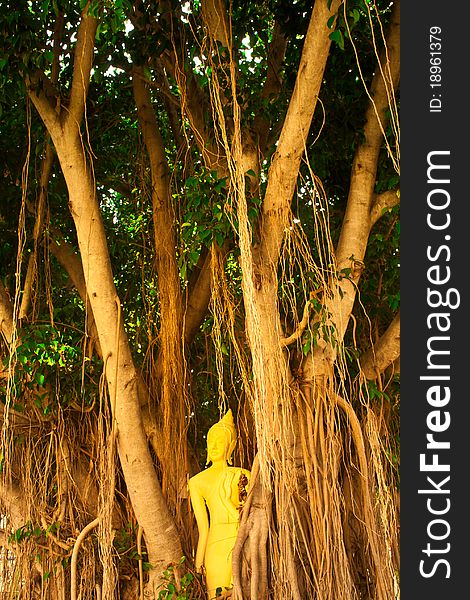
(221, 440)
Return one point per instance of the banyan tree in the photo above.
(199, 212)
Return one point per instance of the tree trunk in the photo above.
(144, 489)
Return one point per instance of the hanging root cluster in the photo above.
(53, 484)
(64, 519)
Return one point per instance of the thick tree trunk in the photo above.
(274, 394)
(122, 379)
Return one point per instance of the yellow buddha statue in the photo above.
(217, 494)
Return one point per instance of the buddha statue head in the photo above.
(221, 440)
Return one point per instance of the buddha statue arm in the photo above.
(202, 520)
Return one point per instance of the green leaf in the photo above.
(306, 347)
(194, 257)
(337, 37)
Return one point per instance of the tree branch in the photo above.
(272, 84)
(73, 562)
(70, 260)
(276, 53)
(46, 169)
(83, 61)
(152, 136)
(194, 105)
(382, 202)
(172, 106)
(356, 225)
(56, 45)
(384, 352)
(357, 221)
(45, 98)
(198, 298)
(72, 264)
(6, 315)
(214, 14)
(163, 216)
(303, 323)
(193, 102)
(285, 166)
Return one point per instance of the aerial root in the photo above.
(73, 563)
